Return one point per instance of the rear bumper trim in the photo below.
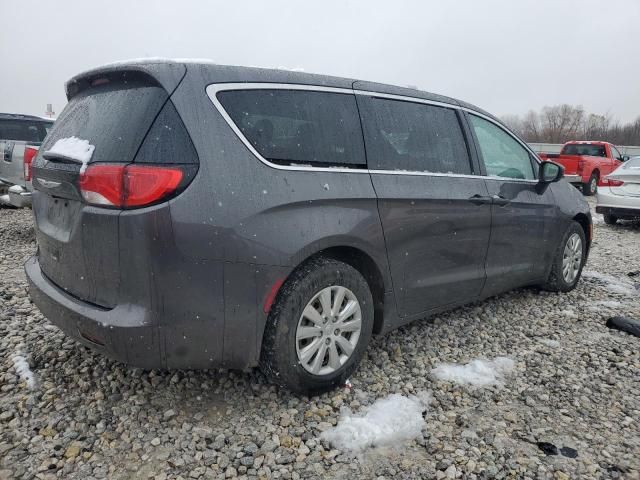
(123, 333)
(618, 211)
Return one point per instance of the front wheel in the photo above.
(319, 327)
(568, 260)
(610, 219)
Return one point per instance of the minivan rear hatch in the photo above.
(108, 114)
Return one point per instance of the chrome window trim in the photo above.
(213, 89)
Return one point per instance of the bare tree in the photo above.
(561, 123)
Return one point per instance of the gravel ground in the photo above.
(574, 384)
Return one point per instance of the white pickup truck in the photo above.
(20, 138)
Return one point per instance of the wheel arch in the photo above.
(586, 225)
(364, 263)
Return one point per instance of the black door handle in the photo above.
(480, 200)
(500, 200)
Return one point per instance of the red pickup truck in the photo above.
(587, 163)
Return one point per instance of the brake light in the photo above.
(29, 154)
(128, 186)
(611, 182)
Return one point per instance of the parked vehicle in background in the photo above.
(619, 197)
(195, 215)
(586, 163)
(20, 138)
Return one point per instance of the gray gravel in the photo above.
(575, 384)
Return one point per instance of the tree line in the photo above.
(561, 123)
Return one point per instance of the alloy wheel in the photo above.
(328, 330)
(572, 258)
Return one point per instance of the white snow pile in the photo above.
(611, 283)
(478, 373)
(604, 305)
(75, 149)
(24, 371)
(549, 342)
(387, 422)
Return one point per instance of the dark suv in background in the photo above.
(239, 217)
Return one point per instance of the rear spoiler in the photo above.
(164, 73)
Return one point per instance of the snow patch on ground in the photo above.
(611, 283)
(75, 149)
(24, 371)
(387, 422)
(568, 313)
(604, 305)
(550, 342)
(478, 373)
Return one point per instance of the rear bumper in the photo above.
(618, 204)
(123, 333)
(16, 196)
(573, 178)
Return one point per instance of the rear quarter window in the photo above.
(292, 127)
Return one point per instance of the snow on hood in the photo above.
(73, 148)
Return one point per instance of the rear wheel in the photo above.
(568, 260)
(591, 187)
(319, 327)
(610, 219)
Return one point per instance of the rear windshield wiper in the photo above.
(58, 157)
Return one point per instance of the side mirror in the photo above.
(550, 172)
(624, 158)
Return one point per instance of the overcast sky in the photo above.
(503, 55)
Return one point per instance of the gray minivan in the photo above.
(239, 217)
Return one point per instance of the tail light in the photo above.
(611, 182)
(580, 166)
(29, 154)
(129, 186)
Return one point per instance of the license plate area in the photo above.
(56, 217)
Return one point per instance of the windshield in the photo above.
(584, 149)
(24, 130)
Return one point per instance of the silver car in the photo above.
(619, 196)
(20, 138)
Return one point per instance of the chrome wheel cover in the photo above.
(328, 330)
(572, 258)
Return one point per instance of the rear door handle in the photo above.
(500, 200)
(480, 200)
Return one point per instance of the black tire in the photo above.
(591, 187)
(279, 358)
(610, 219)
(556, 281)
